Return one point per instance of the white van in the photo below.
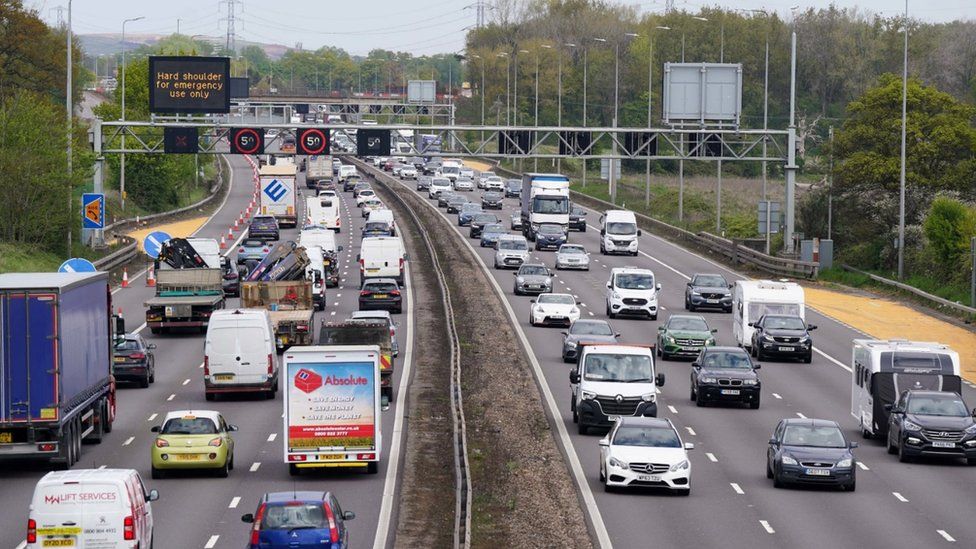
(322, 238)
(382, 216)
(345, 171)
(611, 381)
(239, 353)
(104, 508)
(438, 185)
(382, 257)
(323, 211)
(618, 232)
(632, 291)
(753, 298)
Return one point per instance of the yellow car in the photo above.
(193, 439)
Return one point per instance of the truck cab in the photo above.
(611, 381)
(545, 200)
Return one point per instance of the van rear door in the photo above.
(239, 353)
(84, 515)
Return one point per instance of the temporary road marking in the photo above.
(776, 395)
(673, 409)
(691, 431)
(738, 489)
(946, 535)
(711, 457)
(272, 437)
(186, 381)
(769, 529)
(900, 497)
(862, 466)
(128, 441)
(212, 542)
(170, 397)
(801, 416)
(254, 466)
(234, 502)
(152, 417)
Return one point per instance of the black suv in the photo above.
(478, 222)
(725, 374)
(931, 423)
(263, 227)
(577, 219)
(782, 336)
(708, 291)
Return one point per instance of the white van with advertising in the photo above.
(239, 354)
(383, 216)
(323, 211)
(382, 257)
(103, 508)
(753, 298)
(618, 232)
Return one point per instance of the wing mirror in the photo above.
(154, 429)
(617, 334)
(232, 428)
(854, 444)
(608, 285)
(574, 377)
(248, 518)
(714, 330)
(660, 328)
(752, 324)
(151, 346)
(639, 232)
(659, 380)
(532, 301)
(689, 446)
(811, 327)
(564, 332)
(756, 366)
(772, 442)
(696, 365)
(658, 286)
(348, 515)
(888, 407)
(153, 495)
(605, 442)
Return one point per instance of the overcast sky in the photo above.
(418, 26)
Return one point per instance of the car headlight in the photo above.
(971, 429)
(845, 463)
(572, 344)
(520, 280)
(614, 295)
(682, 465)
(649, 397)
(614, 462)
(695, 292)
(909, 426)
(788, 460)
(710, 342)
(708, 379)
(767, 337)
(669, 339)
(574, 311)
(587, 395)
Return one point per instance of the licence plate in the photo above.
(64, 542)
(224, 377)
(380, 296)
(185, 457)
(120, 359)
(332, 457)
(818, 472)
(730, 391)
(649, 478)
(786, 349)
(711, 301)
(372, 270)
(943, 444)
(6, 437)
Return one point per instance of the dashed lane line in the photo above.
(863, 466)
(128, 441)
(234, 502)
(776, 396)
(801, 416)
(767, 527)
(170, 397)
(152, 417)
(212, 542)
(186, 382)
(738, 489)
(711, 457)
(691, 431)
(272, 437)
(900, 497)
(255, 466)
(946, 535)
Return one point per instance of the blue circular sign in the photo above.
(77, 265)
(153, 242)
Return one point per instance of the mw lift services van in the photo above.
(753, 298)
(332, 407)
(881, 370)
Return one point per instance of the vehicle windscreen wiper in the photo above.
(639, 380)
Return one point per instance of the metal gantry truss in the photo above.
(356, 109)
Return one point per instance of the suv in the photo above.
(577, 219)
(708, 290)
(478, 222)
(263, 227)
(611, 381)
(931, 423)
(632, 291)
(300, 520)
(782, 335)
(725, 374)
(684, 335)
(381, 293)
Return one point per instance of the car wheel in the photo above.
(850, 486)
(692, 397)
(144, 382)
(575, 416)
(970, 461)
(152, 374)
(210, 396)
(157, 473)
(224, 471)
(659, 349)
(752, 351)
(231, 466)
(755, 404)
(809, 358)
(581, 428)
(777, 482)
(653, 317)
(902, 456)
(583, 229)
(682, 492)
(687, 304)
(608, 489)
(154, 331)
(769, 471)
(603, 476)
(699, 400)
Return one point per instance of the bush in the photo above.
(948, 227)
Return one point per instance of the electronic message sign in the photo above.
(186, 84)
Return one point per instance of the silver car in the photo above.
(463, 184)
(408, 172)
(516, 221)
(511, 251)
(533, 278)
(572, 256)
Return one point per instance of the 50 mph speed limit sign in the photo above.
(313, 141)
(246, 141)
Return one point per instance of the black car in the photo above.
(725, 374)
(784, 336)
(134, 360)
(423, 182)
(417, 162)
(444, 197)
(587, 331)
(810, 451)
(577, 219)
(492, 200)
(549, 236)
(513, 188)
(708, 291)
(381, 293)
(455, 203)
(349, 183)
(432, 167)
(263, 227)
(478, 222)
(931, 423)
(231, 280)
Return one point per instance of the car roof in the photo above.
(210, 414)
(811, 422)
(630, 270)
(641, 421)
(303, 495)
(724, 349)
(371, 314)
(533, 265)
(685, 316)
(554, 294)
(380, 281)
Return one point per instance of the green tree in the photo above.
(948, 228)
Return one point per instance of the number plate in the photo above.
(372, 270)
(818, 472)
(649, 478)
(185, 457)
(711, 301)
(380, 296)
(6, 437)
(730, 391)
(224, 377)
(64, 542)
(943, 444)
(331, 457)
(120, 359)
(786, 349)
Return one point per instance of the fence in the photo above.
(912, 290)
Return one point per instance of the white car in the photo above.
(438, 185)
(554, 309)
(328, 193)
(632, 291)
(364, 195)
(495, 183)
(572, 256)
(372, 204)
(467, 172)
(463, 184)
(408, 172)
(645, 452)
(483, 178)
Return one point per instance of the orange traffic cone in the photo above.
(125, 277)
(223, 245)
(150, 276)
(230, 233)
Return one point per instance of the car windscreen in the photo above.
(718, 359)
(451, 170)
(710, 281)
(556, 299)
(441, 182)
(484, 219)
(127, 345)
(493, 196)
(552, 205)
(380, 287)
(376, 227)
(783, 323)
(253, 243)
(618, 368)
(533, 270)
(512, 245)
(493, 228)
(937, 405)
(814, 436)
(634, 281)
(909, 362)
(470, 207)
(550, 229)
(687, 324)
(189, 426)
(590, 327)
(621, 228)
(570, 249)
(649, 437)
(292, 516)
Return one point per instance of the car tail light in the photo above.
(128, 528)
(296, 457)
(231, 276)
(401, 264)
(270, 364)
(216, 441)
(138, 356)
(206, 365)
(161, 443)
(265, 250)
(395, 292)
(362, 265)
(240, 251)
(338, 221)
(302, 328)
(364, 293)
(31, 531)
(365, 456)
(256, 531)
(333, 530)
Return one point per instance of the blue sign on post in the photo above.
(92, 211)
(153, 242)
(77, 265)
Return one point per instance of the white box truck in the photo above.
(545, 200)
(332, 407)
(278, 192)
(319, 171)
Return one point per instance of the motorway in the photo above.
(199, 510)
(733, 505)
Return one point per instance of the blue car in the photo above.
(549, 236)
(491, 233)
(252, 249)
(467, 212)
(299, 520)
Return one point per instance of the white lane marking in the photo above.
(140, 328)
(212, 542)
(900, 497)
(672, 409)
(862, 466)
(22, 545)
(691, 431)
(254, 466)
(767, 527)
(234, 502)
(170, 397)
(338, 295)
(946, 535)
(738, 489)
(152, 417)
(711, 457)
(776, 396)
(272, 437)
(102, 466)
(801, 416)
(832, 359)
(336, 304)
(333, 313)
(128, 441)
(186, 381)
(590, 313)
(200, 366)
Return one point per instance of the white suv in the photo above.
(632, 291)
(437, 185)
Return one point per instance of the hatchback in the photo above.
(381, 293)
(134, 360)
(299, 520)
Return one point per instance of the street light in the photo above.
(559, 101)
(650, 93)
(508, 85)
(122, 156)
(901, 179)
(70, 114)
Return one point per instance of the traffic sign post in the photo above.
(77, 265)
(92, 211)
(154, 242)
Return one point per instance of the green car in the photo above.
(684, 336)
(193, 439)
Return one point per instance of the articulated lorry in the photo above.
(545, 199)
(185, 298)
(56, 386)
(290, 305)
(278, 192)
(332, 407)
